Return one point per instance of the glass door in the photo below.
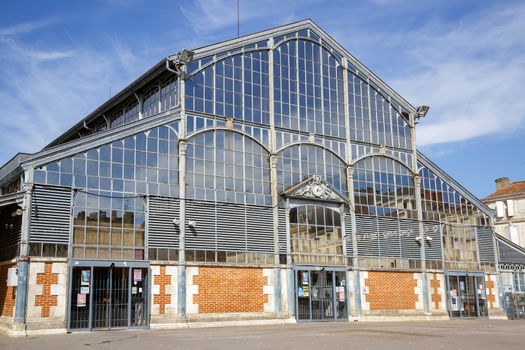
(320, 295)
(466, 295)
(106, 297)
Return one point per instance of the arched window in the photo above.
(301, 161)
(227, 166)
(308, 88)
(235, 86)
(315, 235)
(384, 187)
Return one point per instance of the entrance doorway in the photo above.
(466, 295)
(105, 295)
(320, 294)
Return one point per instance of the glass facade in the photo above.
(228, 167)
(146, 163)
(316, 236)
(384, 187)
(108, 227)
(292, 97)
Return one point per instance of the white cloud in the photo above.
(472, 76)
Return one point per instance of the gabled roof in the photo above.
(325, 37)
(513, 189)
(231, 44)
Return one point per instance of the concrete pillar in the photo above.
(23, 260)
(419, 207)
(181, 290)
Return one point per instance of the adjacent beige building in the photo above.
(508, 202)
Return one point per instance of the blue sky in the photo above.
(59, 60)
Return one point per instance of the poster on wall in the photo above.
(137, 275)
(84, 277)
(84, 290)
(81, 300)
(305, 278)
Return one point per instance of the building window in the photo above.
(519, 282)
(384, 187)
(108, 227)
(316, 236)
(460, 247)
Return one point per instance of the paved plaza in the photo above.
(463, 335)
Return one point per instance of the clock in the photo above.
(317, 190)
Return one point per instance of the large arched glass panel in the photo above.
(145, 163)
(227, 166)
(373, 119)
(308, 92)
(235, 86)
(384, 187)
(315, 235)
(296, 163)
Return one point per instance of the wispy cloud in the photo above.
(471, 75)
(52, 88)
(25, 27)
(207, 16)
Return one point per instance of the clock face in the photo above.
(317, 190)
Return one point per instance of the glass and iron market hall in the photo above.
(272, 176)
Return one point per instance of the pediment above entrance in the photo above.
(314, 187)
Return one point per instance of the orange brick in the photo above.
(391, 290)
(46, 279)
(223, 290)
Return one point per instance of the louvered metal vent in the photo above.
(50, 215)
(229, 227)
(203, 235)
(348, 233)
(485, 245)
(409, 230)
(389, 240)
(259, 223)
(367, 242)
(162, 232)
(282, 231)
(433, 248)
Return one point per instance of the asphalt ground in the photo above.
(460, 335)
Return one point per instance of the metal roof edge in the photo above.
(63, 150)
(121, 95)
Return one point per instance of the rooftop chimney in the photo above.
(502, 182)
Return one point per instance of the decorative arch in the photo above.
(301, 160)
(301, 142)
(321, 44)
(209, 129)
(227, 165)
(377, 154)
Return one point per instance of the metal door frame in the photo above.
(296, 269)
(465, 274)
(91, 264)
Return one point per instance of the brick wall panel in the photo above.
(223, 290)
(7, 294)
(391, 290)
